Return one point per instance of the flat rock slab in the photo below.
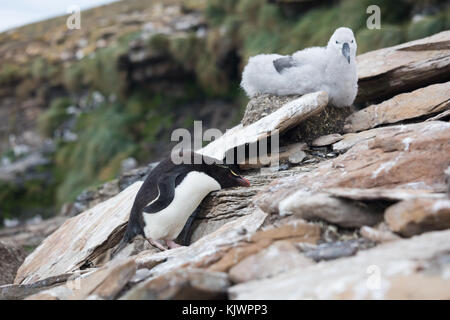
(103, 283)
(313, 206)
(432, 99)
(411, 156)
(288, 116)
(339, 249)
(405, 67)
(378, 234)
(21, 291)
(327, 140)
(79, 239)
(182, 284)
(414, 268)
(350, 139)
(441, 116)
(292, 231)
(411, 217)
(388, 194)
(281, 256)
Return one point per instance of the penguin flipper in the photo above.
(283, 63)
(166, 192)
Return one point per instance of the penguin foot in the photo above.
(171, 244)
(156, 244)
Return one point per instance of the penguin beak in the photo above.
(243, 182)
(346, 51)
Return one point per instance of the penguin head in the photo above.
(343, 43)
(225, 176)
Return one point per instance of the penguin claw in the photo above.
(156, 244)
(172, 245)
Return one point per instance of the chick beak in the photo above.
(243, 182)
(346, 51)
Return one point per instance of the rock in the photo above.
(91, 197)
(379, 234)
(327, 140)
(280, 257)
(128, 178)
(293, 153)
(405, 67)
(443, 116)
(350, 139)
(80, 239)
(297, 157)
(182, 284)
(11, 257)
(238, 253)
(293, 231)
(98, 284)
(411, 217)
(288, 116)
(345, 213)
(296, 230)
(447, 180)
(410, 156)
(29, 236)
(339, 249)
(414, 268)
(105, 283)
(424, 101)
(383, 194)
(20, 291)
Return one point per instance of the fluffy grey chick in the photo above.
(331, 69)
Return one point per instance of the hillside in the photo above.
(81, 107)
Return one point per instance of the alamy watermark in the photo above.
(374, 20)
(373, 281)
(233, 147)
(74, 19)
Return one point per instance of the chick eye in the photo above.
(352, 41)
(337, 42)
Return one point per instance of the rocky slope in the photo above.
(361, 211)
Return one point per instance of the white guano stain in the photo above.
(386, 166)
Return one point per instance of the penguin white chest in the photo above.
(168, 223)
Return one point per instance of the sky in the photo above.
(15, 13)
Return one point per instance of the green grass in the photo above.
(54, 116)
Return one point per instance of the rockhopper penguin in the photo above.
(170, 194)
